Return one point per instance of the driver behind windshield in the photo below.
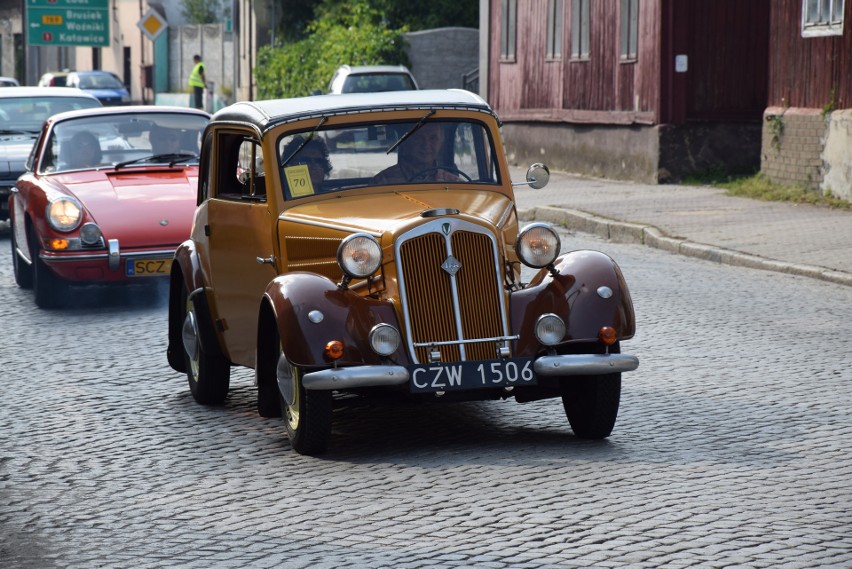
(164, 141)
(417, 159)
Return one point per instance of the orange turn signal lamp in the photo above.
(607, 335)
(334, 349)
(57, 244)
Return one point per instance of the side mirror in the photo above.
(538, 175)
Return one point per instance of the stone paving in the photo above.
(731, 448)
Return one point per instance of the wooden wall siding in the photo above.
(728, 61)
(601, 89)
(803, 71)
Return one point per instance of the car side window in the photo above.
(241, 170)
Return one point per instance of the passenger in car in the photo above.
(314, 155)
(417, 159)
(164, 141)
(82, 151)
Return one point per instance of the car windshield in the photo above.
(386, 153)
(27, 114)
(378, 82)
(99, 81)
(123, 140)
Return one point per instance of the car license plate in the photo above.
(148, 267)
(457, 376)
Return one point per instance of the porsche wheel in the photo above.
(591, 404)
(207, 370)
(23, 270)
(50, 290)
(307, 413)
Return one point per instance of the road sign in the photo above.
(152, 24)
(68, 22)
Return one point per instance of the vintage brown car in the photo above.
(369, 244)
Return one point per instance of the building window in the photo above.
(508, 24)
(822, 18)
(629, 29)
(554, 29)
(580, 29)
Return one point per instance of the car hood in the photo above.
(14, 150)
(138, 207)
(394, 212)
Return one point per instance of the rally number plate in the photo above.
(459, 376)
(148, 267)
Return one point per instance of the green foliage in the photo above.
(759, 187)
(353, 32)
(201, 11)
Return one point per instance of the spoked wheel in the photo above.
(23, 270)
(307, 413)
(50, 290)
(207, 370)
(591, 404)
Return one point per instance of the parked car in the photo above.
(9, 82)
(371, 79)
(108, 195)
(23, 110)
(53, 79)
(104, 85)
(370, 244)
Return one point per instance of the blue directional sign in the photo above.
(68, 22)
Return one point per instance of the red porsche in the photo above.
(107, 197)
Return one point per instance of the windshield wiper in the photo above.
(306, 140)
(410, 132)
(17, 131)
(172, 159)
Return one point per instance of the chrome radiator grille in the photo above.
(461, 314)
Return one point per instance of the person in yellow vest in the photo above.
(198, 81)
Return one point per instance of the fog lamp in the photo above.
(549, 329)
(384, 339)
(90, 234)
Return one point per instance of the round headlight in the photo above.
(359, 255)
(384, 339)
(90, 234)
(549, 329)
(538, 245)
(64, 214)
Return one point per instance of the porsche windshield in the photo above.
(390, 153)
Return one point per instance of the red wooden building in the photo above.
(655, 90)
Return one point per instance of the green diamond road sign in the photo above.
(68, 22)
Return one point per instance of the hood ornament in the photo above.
(451, 265)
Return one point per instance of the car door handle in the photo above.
(266, 261)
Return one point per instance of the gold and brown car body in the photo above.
(261, 283)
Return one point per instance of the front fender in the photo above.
(186, 272)
(572, 293)
(346, 316)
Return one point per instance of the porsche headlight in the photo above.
(64, 214)
(538, 245)
(359, 255)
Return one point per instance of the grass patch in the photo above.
(756, 186)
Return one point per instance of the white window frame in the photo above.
(822, 18)
(580, 26)
(629, 30)
(508, 29)
(555, 24)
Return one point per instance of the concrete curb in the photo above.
(623, 232)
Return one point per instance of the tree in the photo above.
(352, 32)
(201, 11)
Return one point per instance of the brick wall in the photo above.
(792, 145)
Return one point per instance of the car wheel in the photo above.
(307, 413)
(50, 290)
(591, 404)
(207, 370)
(23, 270)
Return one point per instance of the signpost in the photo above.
(68, 22)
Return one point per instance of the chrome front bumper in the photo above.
(584, 364)
(359, 376)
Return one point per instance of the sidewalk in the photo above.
(701, 222)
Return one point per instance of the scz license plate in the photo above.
(148, 267)
(459, 376)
